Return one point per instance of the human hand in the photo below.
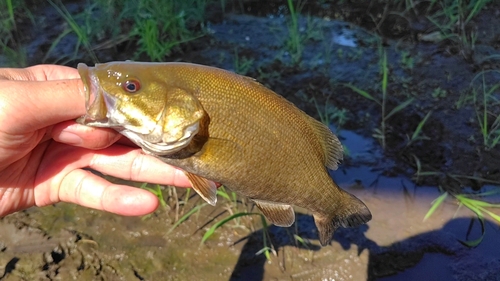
(43, 150)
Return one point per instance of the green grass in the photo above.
(156, 190)
(474, 202)
(298, 36)
(154, 29)
(380, 133)
(266, 248)
(329, 114)
(186, 216)
(417, 134)
(13, 55)
(294, 42)
(236, 208)
(161, 27)
(483, 97)
(242, 64)
(452, 18)
(488, 120)
(81, 31)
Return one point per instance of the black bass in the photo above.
(222, 127)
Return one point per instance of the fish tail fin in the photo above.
(352, 213)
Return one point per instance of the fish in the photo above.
(221, 127)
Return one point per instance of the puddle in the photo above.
(416, 248)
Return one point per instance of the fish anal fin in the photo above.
(205, 188)
(325, 227)
(277, 213)
(352, 213)
(332, 148)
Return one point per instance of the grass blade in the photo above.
(477, 203)
(475, 242)
(221, 191)
(10, 9)
(214, 227)
(493, 215)
(421, 124)
(186, 216)
(398, 108)
(435, 204)
(363, 93)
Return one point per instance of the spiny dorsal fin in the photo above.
(277, 213)
(334, 152)
(205, 188)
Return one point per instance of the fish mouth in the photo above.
(163, 148)
(95, 106)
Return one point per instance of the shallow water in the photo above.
(398, 229)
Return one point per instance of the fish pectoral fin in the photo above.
(277, 213)
(205, 188)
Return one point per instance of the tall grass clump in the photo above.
(161, 27)
(297, 35)
(154, 29)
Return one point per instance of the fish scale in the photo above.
(233, 131)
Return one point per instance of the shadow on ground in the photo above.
(396, 259)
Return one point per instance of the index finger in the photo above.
(42, 72)
(26, 106)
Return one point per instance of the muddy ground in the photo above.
(65, 242)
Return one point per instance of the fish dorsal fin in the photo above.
(205, 188)
(277, 213)
(334, 152)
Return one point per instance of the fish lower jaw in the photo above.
(160, 148)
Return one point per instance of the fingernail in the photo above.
(70, 138)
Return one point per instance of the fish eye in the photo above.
(132, 86)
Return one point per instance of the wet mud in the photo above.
(66, 242)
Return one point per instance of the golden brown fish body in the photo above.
(226, 128)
